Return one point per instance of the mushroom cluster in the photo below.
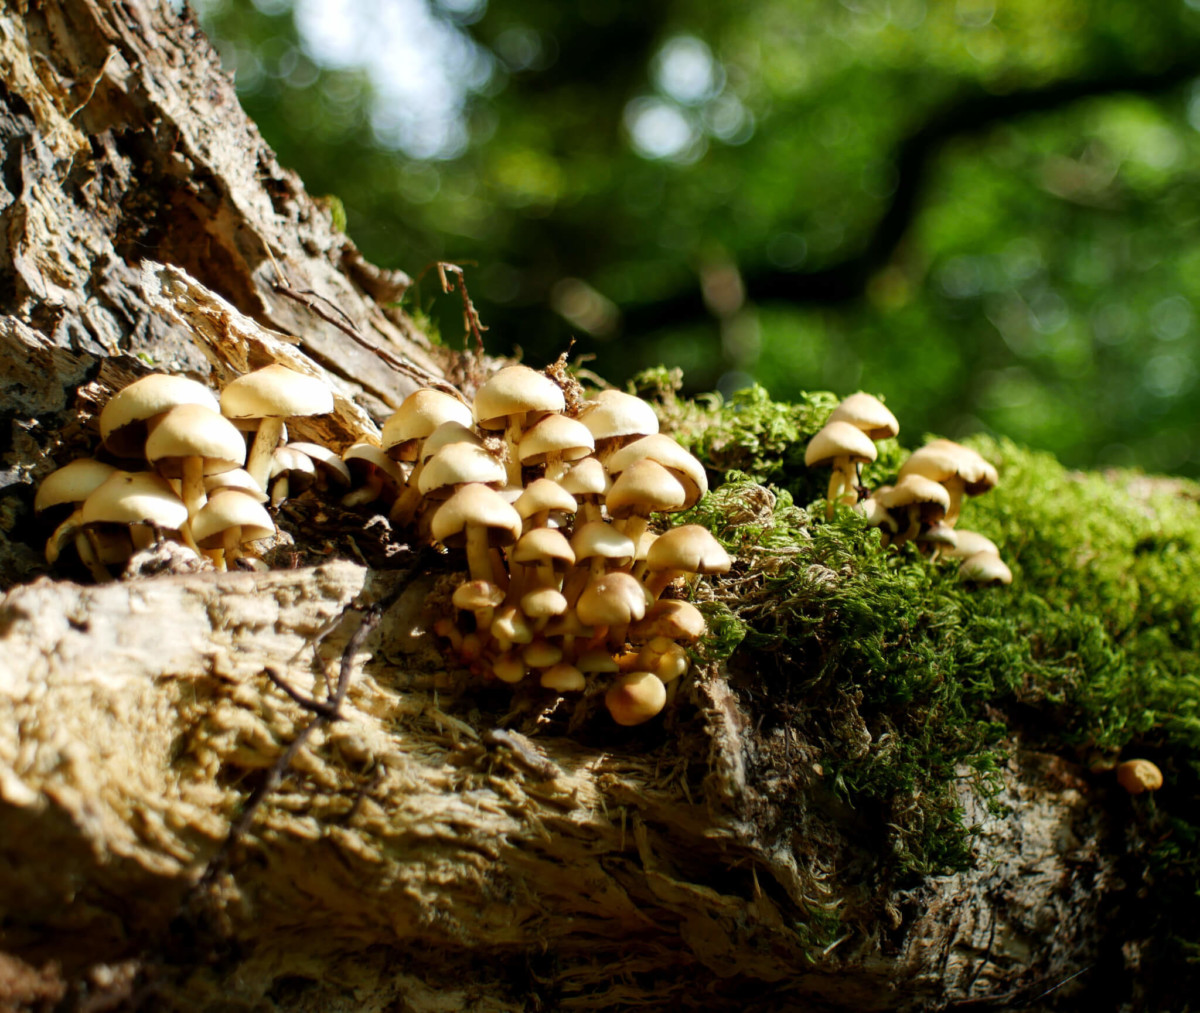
(553, 509)
(203, 488)
(923, 505)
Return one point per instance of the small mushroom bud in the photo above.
(635, 697)
(1138, 776)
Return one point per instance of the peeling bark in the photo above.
(412, 859)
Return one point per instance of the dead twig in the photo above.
(471, 322)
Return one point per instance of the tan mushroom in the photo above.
(124, 418)
(189, 442)
(868, 413)
(635, 697)
(228, 520)
(1139, 776)
(640, 490)
(512, 400)
(961, 470)
(477, 517)
(689, 548)
(842, 447)
(272, 395)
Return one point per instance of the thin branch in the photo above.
(969, 114)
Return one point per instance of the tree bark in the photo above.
(414, 858)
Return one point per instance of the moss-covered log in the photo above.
(878, 789)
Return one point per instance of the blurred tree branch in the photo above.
(971, 113)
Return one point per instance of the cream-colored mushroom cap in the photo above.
(123, 420)
(275, 392)
(232, 509)
(417, 417)
(476, 504)
(458, 463)
(644, 487)
(543, 496)
(689, 547)
(563, 678)
(555, 436)
(985, 568)
(192, 430)
(140, 497)
(235, 478)
(613, 413)
(596, 538)
(586, 478)
(942, 460)
(1138, 776)
(635, 698)
(611, 600)
(868, 413)
(444, 435)
(913, 489)
(361, 454)
(514, 391)
(541, 546)
(473, 595)
(297, 466)
(839, 440)
(967, 543)
(335, 468)
(543, 602)
(71, 484)
(661, 448)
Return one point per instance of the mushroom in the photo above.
(189, 442)
(960, 469)
(419, 415)
(868, 413)
(63, 491)
(984, 568)
(405, 508)
(589, 483)
(635, 697)
(689, 548)
(272, 395)
(479, 518)
(842, 447)
(563, 677)
(540, 499)
(507, 400)
(665, 451)
(616, 418)
(640, 490)
(668, 617)
(228, 520)
(610, 603)
(123, 420)
(555, 439)
(1139, 776)
(379, 474)
(918, 501)
(135, 500)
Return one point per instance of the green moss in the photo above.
(903, 683)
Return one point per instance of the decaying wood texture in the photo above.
(420, 854)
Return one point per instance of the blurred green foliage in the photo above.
(592, 159)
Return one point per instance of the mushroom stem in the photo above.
(512, 436)
(955, 487)
(86, 550)
(231, 542)
(479, 560)
(191, 485)
(834, 489)
(258, 464)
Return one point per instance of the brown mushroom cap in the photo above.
(1138, 776)
(513, 392)
(967, 543)
(644, 487)
(677, 620)
(123, 420)
(689, 547)
(931, 497)
(635, 698)
(563, 678)
(612, 599)
(868, 413)
(542, 496)
(942, 460)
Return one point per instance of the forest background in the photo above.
(985, 210)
